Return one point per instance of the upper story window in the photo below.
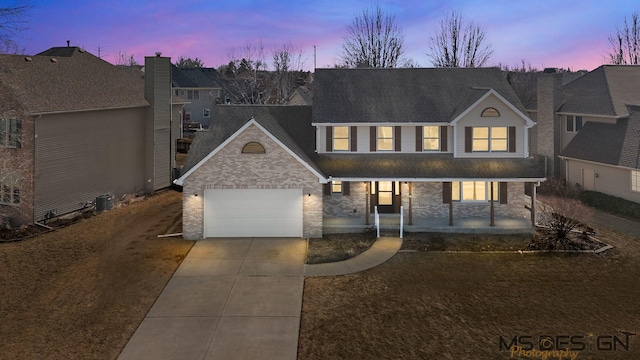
(431, 138)
(253, 148)
(474, 191)
(340, 138)
(10, 133)
(635, 180)
(490, 112)
(574, 123)
(9, 190)
(481, 138)
(385, 138)
(193, 94)
(490, 139)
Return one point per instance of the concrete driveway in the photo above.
(234, 298)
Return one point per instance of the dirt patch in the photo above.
(464, 242)
(338, 247)
(81, 291)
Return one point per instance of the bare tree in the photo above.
(189, 63)
(13, 20)
(246, 74)
(124, 59)
(625, 44)
(373, 40)
(15, 167)
(523, 79)
(288, 71)
(457, 43)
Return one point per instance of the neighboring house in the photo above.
(74, 127)
(201, 88)
(591, 129)
(301, 96)
(439, 145)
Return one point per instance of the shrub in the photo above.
(611, 204)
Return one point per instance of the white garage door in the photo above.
(253, 213)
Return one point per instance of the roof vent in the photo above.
(158, 53)
(54, 60)
(28, 59)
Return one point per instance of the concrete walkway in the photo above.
(229, 299)
(382, 250)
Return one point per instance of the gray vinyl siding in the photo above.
(408, 136)
(507, 118)
(158, 93)
(79, 156)
(162, 168)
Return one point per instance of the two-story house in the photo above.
(442, 147)
(201, 88)
(589, 129)
(74, 127)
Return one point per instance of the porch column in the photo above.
(410, 204)
(492, 223)
(533, 204)
(366, 200)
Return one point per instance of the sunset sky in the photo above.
(544, 33)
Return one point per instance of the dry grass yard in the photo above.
(80, 292)
(447, 305)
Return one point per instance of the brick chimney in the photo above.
(549, 99)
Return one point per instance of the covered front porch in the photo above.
(502, 225)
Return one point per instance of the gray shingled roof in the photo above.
(604, 91)
(74, 81)
(403, 95)
(196, 78)
(618, 144)
(230, 118)
(292, 126)
(432, 166)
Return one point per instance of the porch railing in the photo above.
(377, 220)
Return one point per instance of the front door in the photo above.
(386, 196)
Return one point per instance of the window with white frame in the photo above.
(499, 138)
(10, 133)
(9, 190)
(635, 180)
(485, 138)
(336, 187)
(340, 138)
(573, 123)
(385, 138)
(431, 138)
(470, 191)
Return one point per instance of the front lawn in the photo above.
(447, 305)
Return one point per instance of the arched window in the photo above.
(490, 112)
(253, 148)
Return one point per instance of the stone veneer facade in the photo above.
(229, 168)
(427, 202)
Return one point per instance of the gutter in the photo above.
(87, 110)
